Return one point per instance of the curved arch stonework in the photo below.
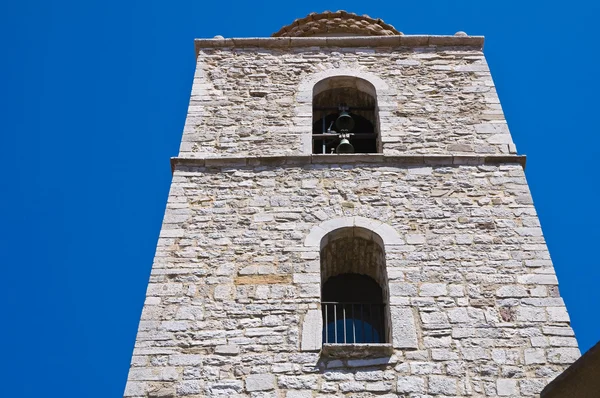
(305, 94)
(305, 88)
(385, 232)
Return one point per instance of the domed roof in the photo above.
(339, 23)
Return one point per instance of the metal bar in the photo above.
(335, 323)
(354, 136)
(353, 326)
(326, 331)
(362, 318)
(323, 146)
(344, 316)
(377, 320)
(359, 333)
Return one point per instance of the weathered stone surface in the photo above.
(442, 385)
(227, 350)
(260, 382)
(410, 384)
(445, 301)
(256, 85)
(312, 329)
(232, 305)
(404, 329)
(507, 387)
(162, 393)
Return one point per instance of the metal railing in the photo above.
(353, 323)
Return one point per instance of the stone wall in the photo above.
(258, 101)
(236, 274)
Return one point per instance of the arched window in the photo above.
(354, 288)
(345, 116)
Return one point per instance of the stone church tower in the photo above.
(348, 217)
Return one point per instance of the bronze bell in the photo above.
(344, 122)
(344, 147)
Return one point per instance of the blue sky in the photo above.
(93, 100)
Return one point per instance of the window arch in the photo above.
(354, 288)
(345, 116)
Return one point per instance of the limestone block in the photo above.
(531, 314)
(558, 314)
(308, 382)
(260, 382)
(165, 289)
(404, 331)
(189, 387)
(433, 289)
(185, 360)
(352, 386)
(444, 355)
(563, 355)
(307, 278)
(474, 354)
(420, 170)
(512, 291)
(500, 139)
(557, 341)
(507, 387)
(227, 350)
(534, 356)
(410, 384)
(458, 315)
(135, 389)
(415, 239)
(442, 385)
(165, 392)
(388, 235)
(402, 289)
(225, 387)
(535, 279)
(315, 236)
(299, 394)
(531, 386)
(557, 331)
(153, 374)
(312, 331)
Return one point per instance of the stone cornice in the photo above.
(346, 42)
(300, 160)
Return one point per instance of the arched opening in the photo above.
(345, 116)
(354, 288)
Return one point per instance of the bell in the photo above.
(344, 147)
(344, 122)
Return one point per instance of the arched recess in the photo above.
(345, 98)
(370, 90)
(401, 326)
(354, 288)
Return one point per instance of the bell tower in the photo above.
(348, 216)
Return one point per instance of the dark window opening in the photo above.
(354, 288)
(345, 117)
(362, 138)
(353, 310)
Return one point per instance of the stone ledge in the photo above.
(351, 41)
(359, 351)
(358, 158)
